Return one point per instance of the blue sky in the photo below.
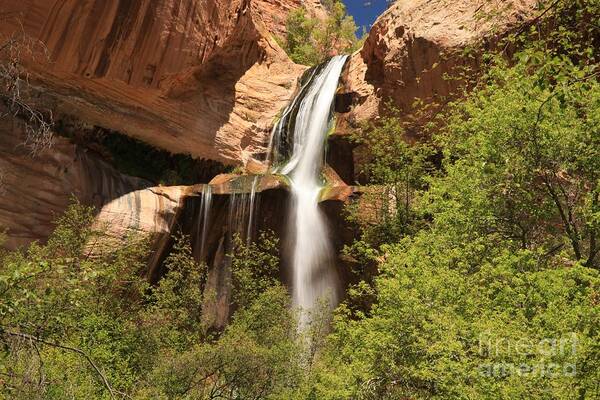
(363, 14)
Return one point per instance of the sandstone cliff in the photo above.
(417, 43)
(199, 77)
(36, 191)
(205, 78)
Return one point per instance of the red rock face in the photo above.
(203, 77)
(274, 12)
(135, 42)
(416, 43)
(35, 191)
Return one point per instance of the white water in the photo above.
(242, 209)
(314, 279)
(252, 210)
(203, 221)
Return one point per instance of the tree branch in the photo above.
(60, 346)
(534, 21)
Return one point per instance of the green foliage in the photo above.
(255, 267)
(522, 157)
(77, 324)
(62, 295)
(310, 41)
(437, 328)
(136, 158)
(73, 230)
(395, 170)
(494, 294)
(254, 358)
(175, 304)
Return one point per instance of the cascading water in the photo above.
(253, 206)
(203, 221)
(297, 150)
(207, 204)
(242, 207)
(314, 278)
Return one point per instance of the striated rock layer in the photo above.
(34, 191)
(151, 213)
(203, 77)
(417, 43)
(207, 78)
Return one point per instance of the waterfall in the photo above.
(253, 206)
(279, 143)
(203, 222)
(206, 207)
(301, 136)
(242, 207)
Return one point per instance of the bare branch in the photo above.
(69, 348)
(14, 90)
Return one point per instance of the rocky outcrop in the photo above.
(203, 77)
(417, 44)
(335, 189)
(150, 213)
(274, 13)
(34, 191)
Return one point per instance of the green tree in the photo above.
(310, 41)
(506, 260)
(79, 323)
(255, 267)
(394, 170)
(530, 144)
(65, 314)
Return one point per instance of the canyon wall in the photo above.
(201, 77)
(206, 78)
(35, 191)
(418, 48)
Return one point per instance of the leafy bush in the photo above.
(255, 268)
(395, 170)
(310, 41)
(494, 295)
(81, 325)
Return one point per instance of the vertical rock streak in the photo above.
(206, 208)
(253, 205)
